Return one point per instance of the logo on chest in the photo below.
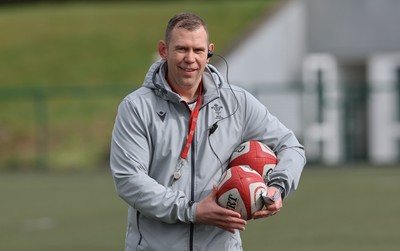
(161, 115)
(217, 111)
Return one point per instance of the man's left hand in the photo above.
(273, 203)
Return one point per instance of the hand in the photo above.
(210, 213)
(270, 208)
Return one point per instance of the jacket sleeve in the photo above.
(129, 162)
(260, 124)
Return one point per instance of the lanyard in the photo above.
(192, 125)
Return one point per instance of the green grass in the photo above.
(103, 43)
(86, 57)
(335, 209)
(60, 212)
(347, 209)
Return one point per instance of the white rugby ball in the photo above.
(240, 190)
(256, 155)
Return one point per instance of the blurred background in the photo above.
(329, 69)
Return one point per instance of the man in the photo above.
(172, 141)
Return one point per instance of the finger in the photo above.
(235, 217)
(229, 230)
(261, 214)
(214, 192)
(238, 221)
(215, 189)
(223, 212)
(273, 207)
(232, 217)
(232, 220)
(231, 227)
(264, 214)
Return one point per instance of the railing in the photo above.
(57, 127)
(69, 127)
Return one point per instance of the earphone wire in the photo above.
(215, 125)
(230, 87)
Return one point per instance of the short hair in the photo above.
(188, 21)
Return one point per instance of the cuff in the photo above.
(191, 208)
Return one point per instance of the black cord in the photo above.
(216, 155)
(214, 127)
(230, 87)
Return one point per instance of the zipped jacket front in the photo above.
(149, 134)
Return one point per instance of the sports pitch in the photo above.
(334, 209)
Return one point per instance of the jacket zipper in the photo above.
(138, 228)
(192, 190)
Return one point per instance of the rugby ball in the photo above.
(255, 155)
(240, 190)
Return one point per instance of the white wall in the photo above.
(273, 54)
(384, 126)
(271, 58)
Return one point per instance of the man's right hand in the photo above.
(210, 213)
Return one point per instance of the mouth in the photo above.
(188, 70)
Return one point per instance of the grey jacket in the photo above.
(148, 136)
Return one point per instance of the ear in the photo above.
(211, 49)
(162, 49)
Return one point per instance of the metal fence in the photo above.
(64, 127)
(69, 127)
(354, 124)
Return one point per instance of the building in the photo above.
(330, 70)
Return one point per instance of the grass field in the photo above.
(65, 67)
(109, 43)
(71, 49)
(347, 209)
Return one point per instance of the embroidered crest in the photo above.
(217, 109)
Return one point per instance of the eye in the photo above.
(199, 51)
(180, 49)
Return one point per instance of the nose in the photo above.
(190, 56)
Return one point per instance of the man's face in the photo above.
(186, 56)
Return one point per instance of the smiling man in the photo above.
(185, 50)
(172, 141)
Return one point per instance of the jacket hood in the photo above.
(155, 80)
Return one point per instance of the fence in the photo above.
(69, 127)
(65, 127)
(356, 123)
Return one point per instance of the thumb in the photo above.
(214, 192)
